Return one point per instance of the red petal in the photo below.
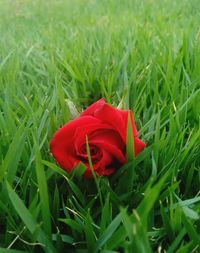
(102, 167)
(112, 149)
(139, 145)
(124, 114)
(89, 131)
(92, 108)
(62, 143)
(113, 117)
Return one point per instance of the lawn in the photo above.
(58, 57)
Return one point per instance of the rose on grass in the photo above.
(105, 127)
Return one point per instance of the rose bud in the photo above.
(105, 128)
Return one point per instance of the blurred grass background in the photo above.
(144, 55)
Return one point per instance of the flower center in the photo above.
(95, 153)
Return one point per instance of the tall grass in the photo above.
(144, 55)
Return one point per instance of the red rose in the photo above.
(105, 128)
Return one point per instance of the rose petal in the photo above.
(124, 114)
(88, 130)
(92, 108)
(139, 145)
(61, 144)
(112, 117)
(106, 129)
(102, 167)
(116, 152)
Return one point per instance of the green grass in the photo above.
(144, 55)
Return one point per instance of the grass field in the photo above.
(144, 55)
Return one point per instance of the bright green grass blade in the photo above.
(92, 171)
(11, 161)
(166, 222)
(54, 168)
(29, 221)
(187, 248)
(193, 234)
(105, 216)
(126, 181)
(117, 239)
(138, 241)
(150, 196)
(176, 241)
(129, 140)
(79, 170)
(89, 234)
(108, 232)
(5, 60)
(63, 104)
(43, 190)
(127, 224)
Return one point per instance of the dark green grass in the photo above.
(144, 55)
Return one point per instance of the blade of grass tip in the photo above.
(129, 140)
(29, 221)
(54, 167)
(43, 190)
(126, 180)
(93, 172)
(63, 104)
